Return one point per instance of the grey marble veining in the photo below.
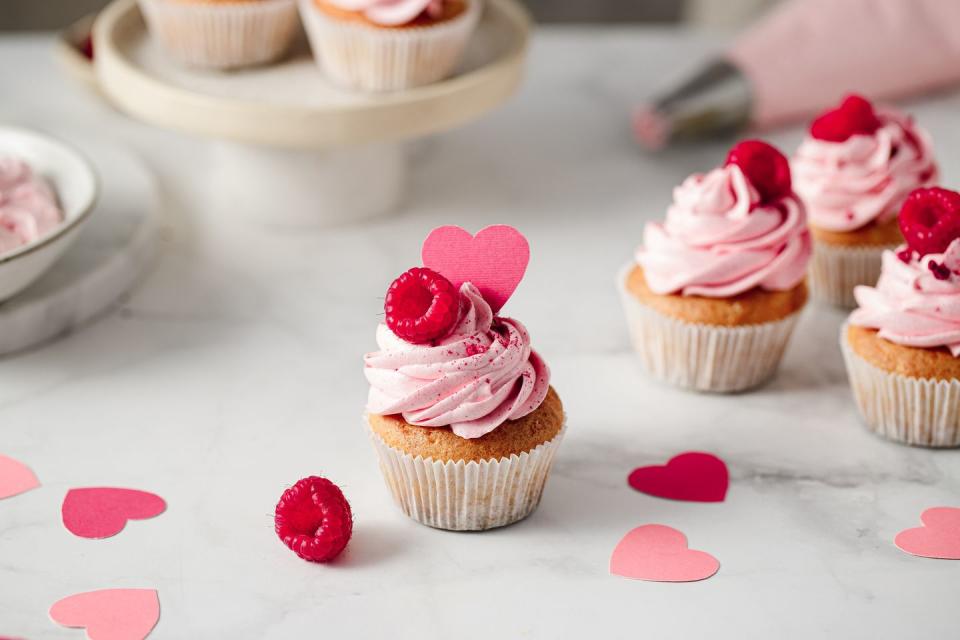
(234, 370)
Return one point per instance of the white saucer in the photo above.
(112, 252)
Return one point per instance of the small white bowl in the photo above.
(75, 184)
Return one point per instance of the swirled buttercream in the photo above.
(847, 185)
(718, 240)
(28, 206)
(483, 373)
(391, 13)
(916, 303)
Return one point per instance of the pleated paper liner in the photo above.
(704, 357)
(916, 411)
(835, 271)
(367, 58)
(222, 36)
(466, 496)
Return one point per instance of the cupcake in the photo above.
(222, 34)
(853, 171)
(716, 289)
(460, 409)
(902, 343)
(389, 45)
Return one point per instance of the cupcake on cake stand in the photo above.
(286, 133)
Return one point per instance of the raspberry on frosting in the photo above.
(854, 116)
(930, 220)
(765, 167)
(421, 305)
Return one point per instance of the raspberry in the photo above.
(313, 519)
(854, 116)
(765, 167)
(930, 219)
(421, 306)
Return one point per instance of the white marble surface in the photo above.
(235, 370)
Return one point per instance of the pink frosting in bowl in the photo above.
(483, 373)
(847, 185)
(719, 241)
(916, 302)
(28, 205)
(392, 13)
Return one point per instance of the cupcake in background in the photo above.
(902, 344)
(462, 415)
(853, 171)
(389, 45)
(717, 288)
(222, 34)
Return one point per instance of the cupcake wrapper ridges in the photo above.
(835, 271)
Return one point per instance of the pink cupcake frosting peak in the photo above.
(28, 205)
(916, 302)
(483, 373)
(719, 240)
(865, 178)
(391, 13)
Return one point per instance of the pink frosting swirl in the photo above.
(915, 303)
(719, 241)
(28, 206)
(473, 380)
(846, 185)
(391, 13)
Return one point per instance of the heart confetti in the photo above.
(938, 538)
(691, 476)
(110, 614)
(659, 553)
(15, 477)
(494, 260)
(101, 512)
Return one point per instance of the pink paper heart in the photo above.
(101, 512)
(494, 260)
(659, 553)
(15, 477)
(938, 538)
(110, 614)
(691, 476)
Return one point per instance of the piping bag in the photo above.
(803, 57)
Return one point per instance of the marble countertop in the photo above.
(234, 370)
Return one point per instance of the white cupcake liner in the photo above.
(466, 496)
(369, 58)
(835, 271)
(704, 357)
(917, 411)
(222, 36)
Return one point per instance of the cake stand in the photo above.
(335, 155)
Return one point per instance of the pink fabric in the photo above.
(718, 241)
(481, 375)
(847, 185)
(808, 53)
(910, 305)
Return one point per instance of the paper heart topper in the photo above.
(101, 512)
(15, 477)
(110, 614)
(494, 260)
(659, 553)
(691, 476)
(938, 538)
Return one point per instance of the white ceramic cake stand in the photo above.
(335, 155)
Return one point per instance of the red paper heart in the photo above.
(659, 553)
(494, 260)
(101, 512)
(110, 614)
(691, 476)
(938, 538)
(15, 477)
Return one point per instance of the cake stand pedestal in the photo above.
(336, 155)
